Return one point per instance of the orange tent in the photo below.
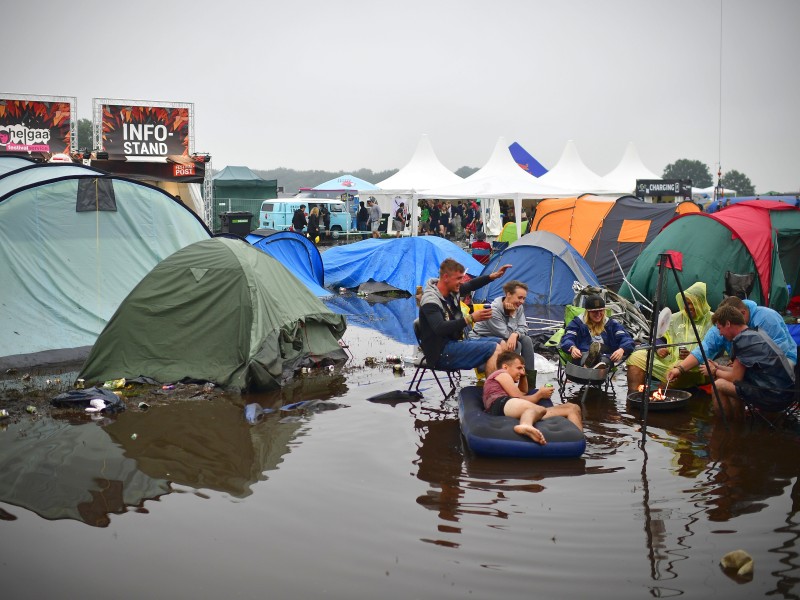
(602, 228)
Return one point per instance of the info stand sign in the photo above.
(678, 188)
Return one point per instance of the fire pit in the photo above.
(672, 400)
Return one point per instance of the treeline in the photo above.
(292, 180)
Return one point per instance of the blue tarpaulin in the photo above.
(403, 263)
(295, 252)
(394, 318)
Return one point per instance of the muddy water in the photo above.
(353, 499)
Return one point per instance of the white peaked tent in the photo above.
(570, 172)
(423, 171)
(500, 177)
(622, 179)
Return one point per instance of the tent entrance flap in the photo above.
(95, 194)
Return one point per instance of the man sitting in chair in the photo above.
(594, 340)
(759, 375)
(442, 322)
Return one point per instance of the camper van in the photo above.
(277, 214)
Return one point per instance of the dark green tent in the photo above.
(218, 310)
(758, 239)
(241, 182)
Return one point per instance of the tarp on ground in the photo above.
(403, 263)
(543, 261)
(295, 252)
(394, 319)
(762, 238)
(72, 248)
(599, 228)
(219, 310)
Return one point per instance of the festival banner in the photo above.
(137, 130)
(30, 124)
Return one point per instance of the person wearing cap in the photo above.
(593, 339)
(481, 249)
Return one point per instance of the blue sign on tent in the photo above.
(346, 182)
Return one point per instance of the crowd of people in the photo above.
(745, 349)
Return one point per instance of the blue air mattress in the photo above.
(488, 435)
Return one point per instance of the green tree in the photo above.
(85, 134)
(685, 168)
(734, 180)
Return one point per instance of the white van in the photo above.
(277, 214)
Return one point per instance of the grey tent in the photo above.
(218, 310)
(73, 242)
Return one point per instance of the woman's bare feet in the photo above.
(531, 432)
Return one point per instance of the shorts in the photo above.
(467, 354)
(374, 226)
(764, 399)
(498, 407)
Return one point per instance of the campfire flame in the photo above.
(658, 395)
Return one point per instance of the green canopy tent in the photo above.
(238, 189)
(218, 310)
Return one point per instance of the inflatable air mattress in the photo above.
(488, 435)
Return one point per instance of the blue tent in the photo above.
(394, 318)
(295, 252)
(548, 264)
(403, 263)
(12, 163)
(526, 161)
(346, 182)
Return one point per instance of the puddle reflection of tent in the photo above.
(176, 443)
(393, 318)
(64, 471)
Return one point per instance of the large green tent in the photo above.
(761, 239)
(218, 310)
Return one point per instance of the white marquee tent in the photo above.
(500, 177)
(622, 179)
(571, 173)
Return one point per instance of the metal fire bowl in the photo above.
(585, 375)
(675, 399)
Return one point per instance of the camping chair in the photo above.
(569, 372)
(421, 365)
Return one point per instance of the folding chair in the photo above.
(421, 366)
(569, 372)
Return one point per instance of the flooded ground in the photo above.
(346, 498)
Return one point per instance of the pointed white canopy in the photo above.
(570, 172)
(423, 171)
(500, 177)
(622, 179)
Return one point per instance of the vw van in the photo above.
(277, 214)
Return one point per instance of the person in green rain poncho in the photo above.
(679, 332)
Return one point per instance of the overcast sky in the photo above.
(321, 84)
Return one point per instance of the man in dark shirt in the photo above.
(299, 218)
(442, 322)
(759, 374)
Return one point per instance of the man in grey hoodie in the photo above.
(442, 322)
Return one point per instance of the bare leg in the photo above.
(731, 404)
(571, 411)
(636, 377)
(526, 421)
(491, 362)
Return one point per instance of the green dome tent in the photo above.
(761, 239)
(218, 310)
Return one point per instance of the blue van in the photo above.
(277, 214)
